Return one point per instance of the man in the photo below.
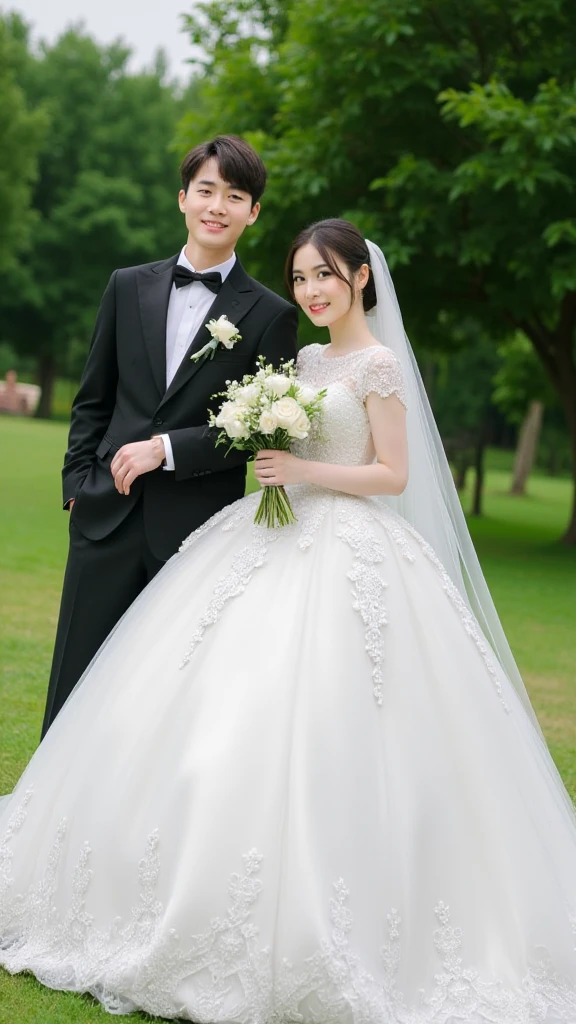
(142, 471)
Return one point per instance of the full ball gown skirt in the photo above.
(295, 786)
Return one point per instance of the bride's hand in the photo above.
(275, 469)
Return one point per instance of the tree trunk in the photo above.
(526, 448)
(460, 476)
(462, 462)
(556, 350)
(479, 477)
(568, 397)
(46, 380)
(570, 534)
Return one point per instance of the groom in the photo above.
(142, 471)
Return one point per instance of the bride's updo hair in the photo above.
(336, 239)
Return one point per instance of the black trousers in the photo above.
(102, 580)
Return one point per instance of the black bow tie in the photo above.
(182, 276)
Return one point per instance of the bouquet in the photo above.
(268, 409)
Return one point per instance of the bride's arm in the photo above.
(387, 475)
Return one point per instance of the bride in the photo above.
(301, 781)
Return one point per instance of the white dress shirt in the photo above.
(187, 311)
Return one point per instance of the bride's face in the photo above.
(323, 296)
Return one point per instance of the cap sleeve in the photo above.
(382, 374)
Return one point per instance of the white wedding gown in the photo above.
(296, 786)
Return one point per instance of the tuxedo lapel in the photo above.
(234, 299)
(154, 287)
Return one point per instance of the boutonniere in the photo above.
(223, 333)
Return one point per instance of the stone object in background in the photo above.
(17, 399)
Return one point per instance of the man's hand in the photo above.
(70, 505)
(134, 459)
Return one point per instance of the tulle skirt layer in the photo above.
(294, 786)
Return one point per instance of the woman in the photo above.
(297, 783)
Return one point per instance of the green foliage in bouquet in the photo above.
(268, 410)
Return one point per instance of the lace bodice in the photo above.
(343, 434)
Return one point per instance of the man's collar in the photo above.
(222, 268)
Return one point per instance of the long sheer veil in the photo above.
(430, 502)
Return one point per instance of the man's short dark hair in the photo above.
(238, 163)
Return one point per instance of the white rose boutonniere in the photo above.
(223, 333)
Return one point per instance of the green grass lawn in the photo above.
(532, 577)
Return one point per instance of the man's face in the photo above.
(216, 213)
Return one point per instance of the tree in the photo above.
(521, 391)
(462, 402)
(105, 195)
(238, 89)
(21, 131)
(528, 157)
(438, 128)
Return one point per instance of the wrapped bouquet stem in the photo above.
(268, 410)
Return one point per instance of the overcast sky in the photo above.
(144, 25)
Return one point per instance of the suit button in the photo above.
(158, 421)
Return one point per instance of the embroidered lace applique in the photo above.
(368, 586)
(240, 512)
(468, 620)
(381, 372)
(245, 562)
(343, 435)
(229, 973)
(390, 952)
(15, 823)
(210, 524)
(311, 506)
(395, 528)
(369, 369)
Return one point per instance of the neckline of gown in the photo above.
(346, 355)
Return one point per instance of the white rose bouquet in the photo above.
(269, 409)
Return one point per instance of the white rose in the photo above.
(248, 394)
(225, 414)
(231, 420)
(267, 423)
(224, 331)
(306, 394)
(237, 428)
(301, 426)
(277, 384)
(287, 412)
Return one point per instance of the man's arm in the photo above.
(194, 450)
(94, 403)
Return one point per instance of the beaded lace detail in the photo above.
(233, 583)
(368, 587)
(368, 369)
(343, 437)
(358, 521)
(229, 973)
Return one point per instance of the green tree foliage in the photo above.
(21, 130)
(462, 400)
(239, 88)
(519, 379)
(105, 195)
(518, 382)
(447, 131)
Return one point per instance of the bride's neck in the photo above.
(350, 332)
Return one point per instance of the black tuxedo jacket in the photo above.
(123, 398)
